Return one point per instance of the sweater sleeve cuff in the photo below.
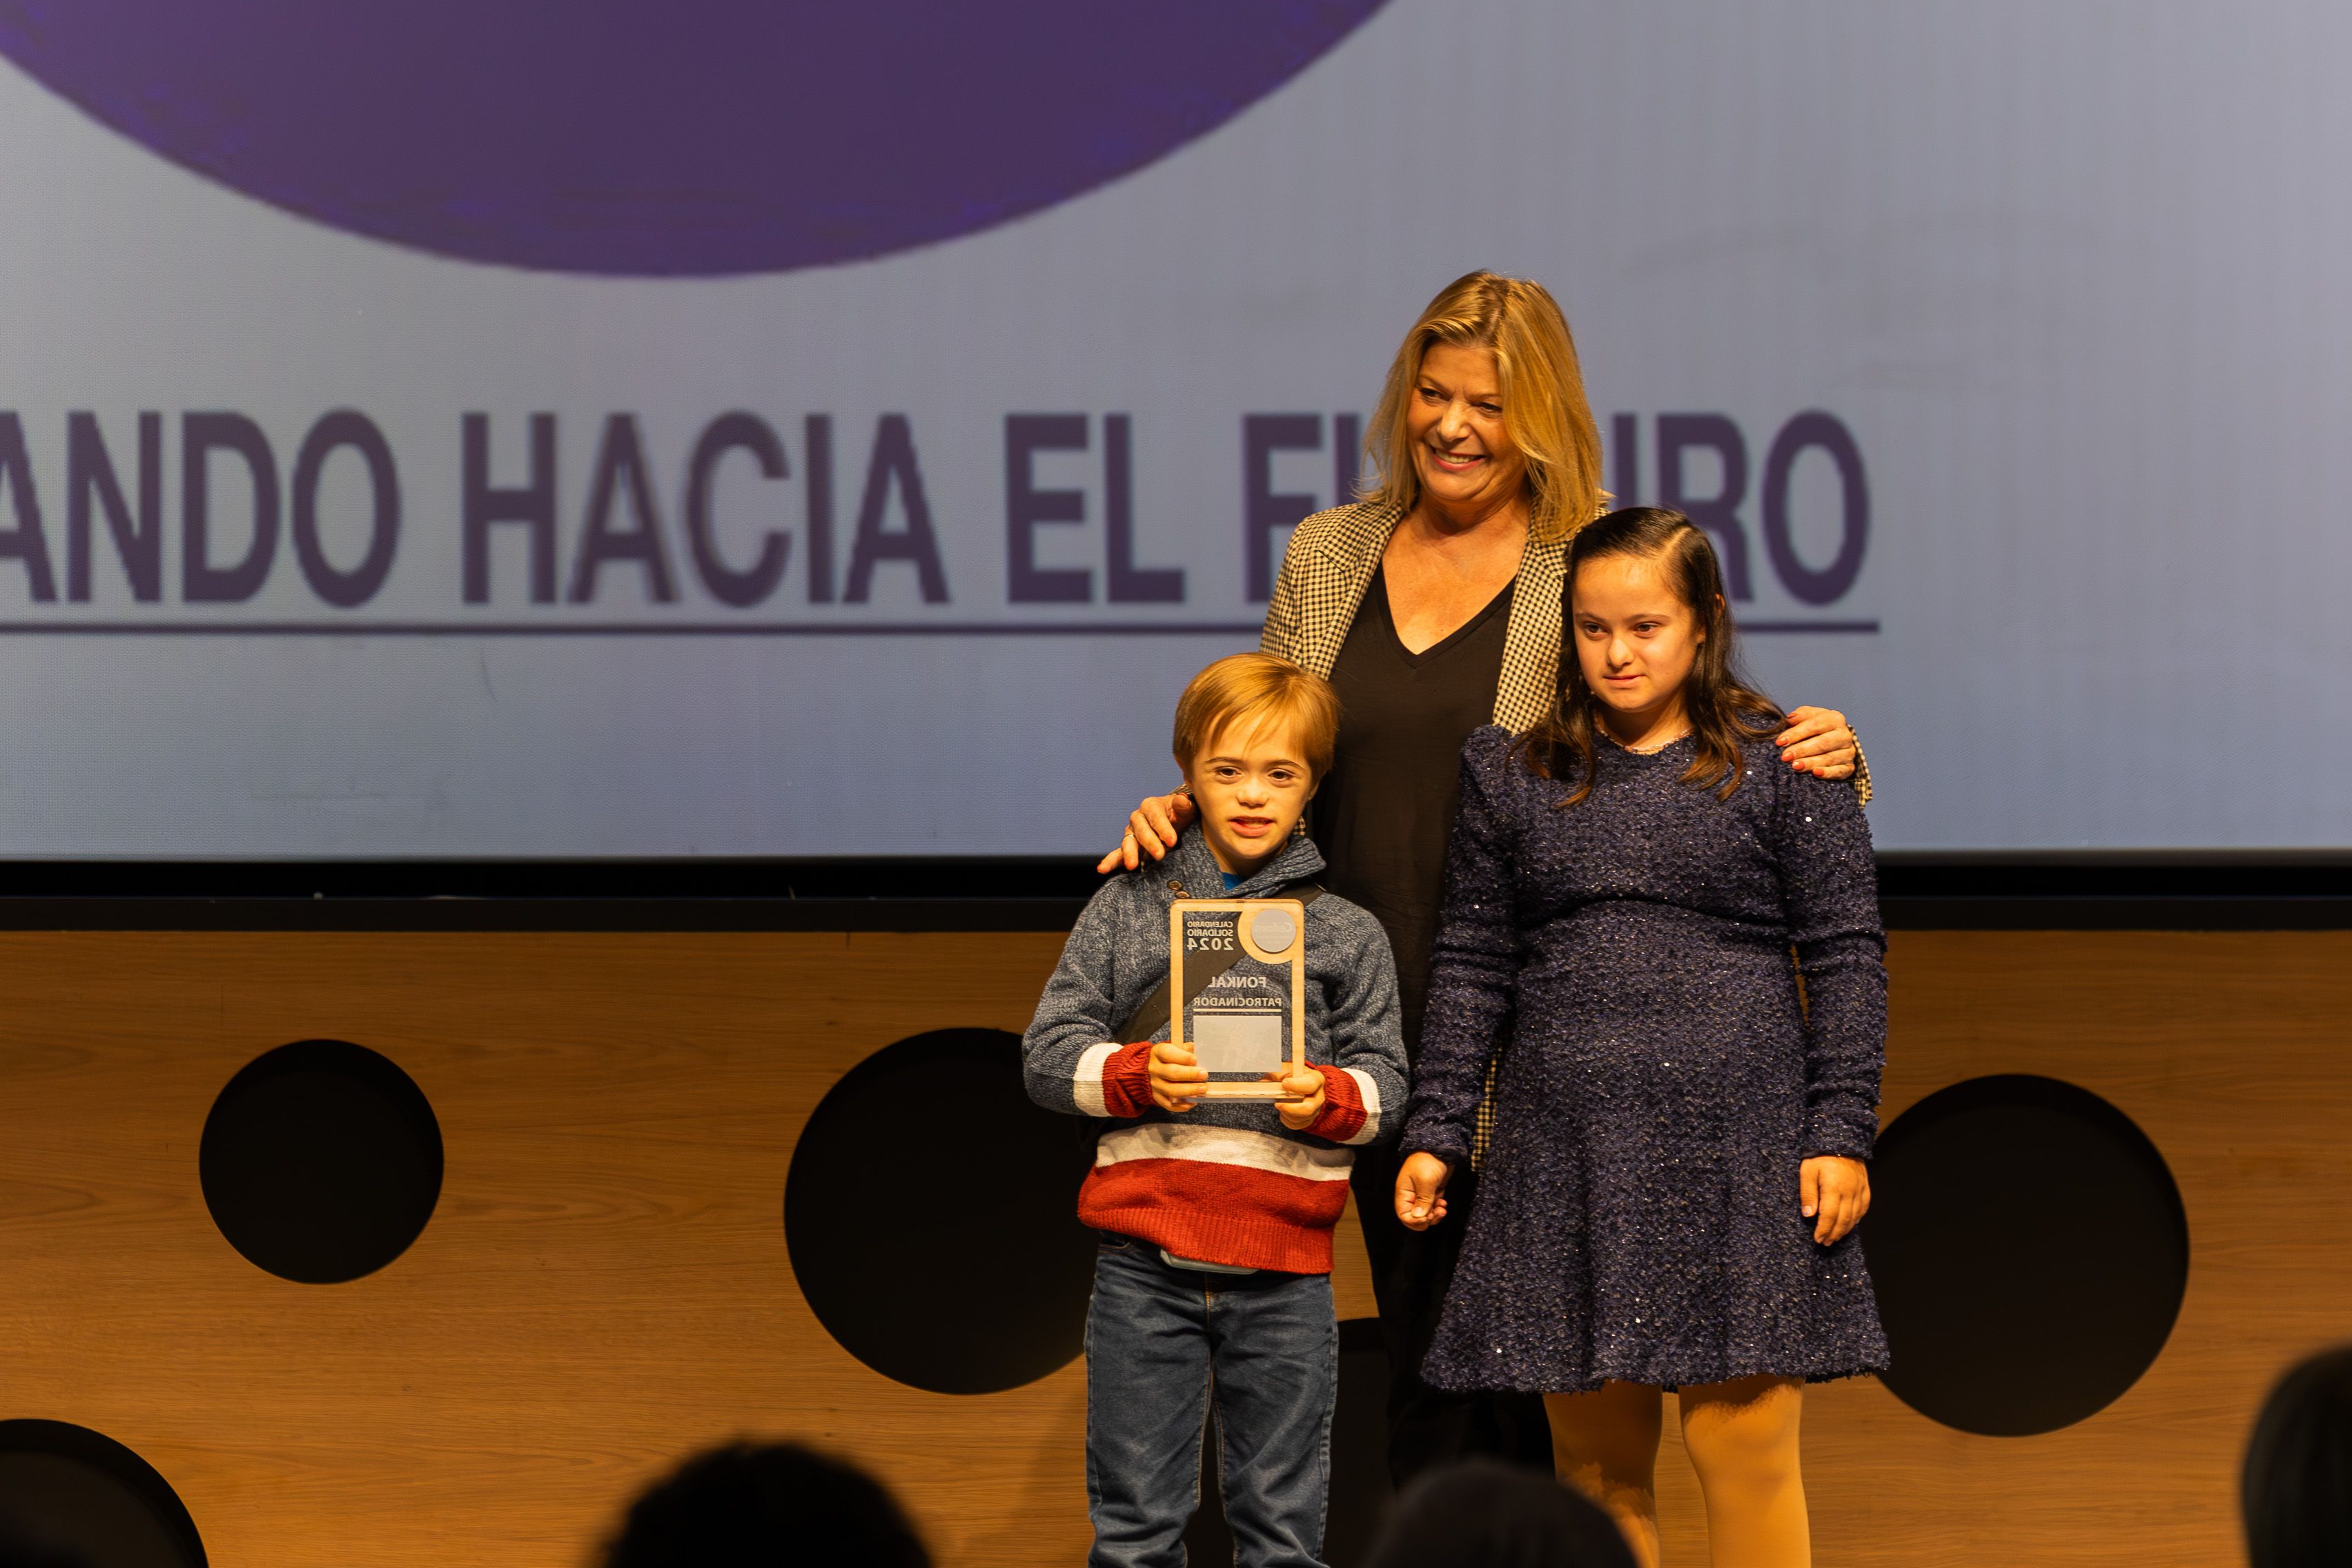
(1113, 1079)
(1836, 1138)
(1425, 1138)
(1351, 1106)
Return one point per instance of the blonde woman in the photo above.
(1433, 606)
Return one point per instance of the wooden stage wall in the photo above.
(605, 1285)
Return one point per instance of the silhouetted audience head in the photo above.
(22, 1547)
(750, 1506)
(2297, 1486)
(1483, 1514)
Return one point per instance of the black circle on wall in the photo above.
(82, 1491)
(321, 1162)
(2030, 1252)
(931, 1216)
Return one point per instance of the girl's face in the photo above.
(1466, 460)
(1635, 640)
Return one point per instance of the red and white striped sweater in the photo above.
(1224, 1194)
(1225, 1182)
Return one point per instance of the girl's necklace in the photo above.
(1651, 748)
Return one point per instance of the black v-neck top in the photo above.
(1384, 816)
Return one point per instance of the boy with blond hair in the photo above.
(1213, 1274)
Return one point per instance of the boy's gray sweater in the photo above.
(1225, 1182)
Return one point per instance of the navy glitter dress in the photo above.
(1637, 1216)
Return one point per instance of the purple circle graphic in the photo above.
(653, 138)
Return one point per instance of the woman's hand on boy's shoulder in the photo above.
(1178, 1080)
(1151, 829)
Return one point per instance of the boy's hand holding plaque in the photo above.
(1238, 968)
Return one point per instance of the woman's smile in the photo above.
(1461, 446)
(1455, 462)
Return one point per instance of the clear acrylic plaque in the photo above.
(1237, 969)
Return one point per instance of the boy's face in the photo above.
(1251, 787)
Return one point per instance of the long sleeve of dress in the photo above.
(1829, 885)
(1473, 971)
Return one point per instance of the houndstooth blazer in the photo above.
(1331, 563)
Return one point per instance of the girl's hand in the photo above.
(1818, 741)
(1421, 1190)
(1836, 1189)
(1151, 829)
(1306, 1102)
(1178, 1082)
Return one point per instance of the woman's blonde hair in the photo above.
(1544, 410)
(1252, 689)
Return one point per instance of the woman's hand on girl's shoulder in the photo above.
(1151, 829)
(1819, 740)
(1836, 1194)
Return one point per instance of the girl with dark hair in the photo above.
(1681, 1134)
(2297, 1488)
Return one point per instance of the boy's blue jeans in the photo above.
(1161, 1342)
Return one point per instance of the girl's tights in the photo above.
(1742, 1440)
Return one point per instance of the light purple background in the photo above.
(2071, 271)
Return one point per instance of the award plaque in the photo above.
(1238, 968)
